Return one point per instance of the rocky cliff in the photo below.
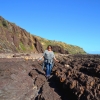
(15, 39)
(61, 47)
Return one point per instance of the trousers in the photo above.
(48, 69)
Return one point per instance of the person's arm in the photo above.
(40, 58)
(56, 59)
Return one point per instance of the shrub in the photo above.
(4, 23)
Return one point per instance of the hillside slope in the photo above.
(15, 39)
(70, 48)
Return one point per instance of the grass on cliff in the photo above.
(70, 48)
(22, 46)
(4, 23)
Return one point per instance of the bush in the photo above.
(4, 23)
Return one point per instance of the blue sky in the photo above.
(75, 22)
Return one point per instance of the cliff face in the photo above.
(15, 39)
(61, 47)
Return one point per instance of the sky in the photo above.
(75, 22)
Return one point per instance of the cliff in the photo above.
(15, 39)
(61, 46)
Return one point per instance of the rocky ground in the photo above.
(75, 77)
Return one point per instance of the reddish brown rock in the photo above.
(81, 78)
(25, 80)
(59, 49)
(16, 39)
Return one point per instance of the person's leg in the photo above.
(50, 68)
(47, 70)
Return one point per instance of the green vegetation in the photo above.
(70, 48)
(4, 23)
(22, 46)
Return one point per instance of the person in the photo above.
(49, 58)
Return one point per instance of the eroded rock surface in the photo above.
(15, 83)
(80, 75)
(75, 77)
(22, 79)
